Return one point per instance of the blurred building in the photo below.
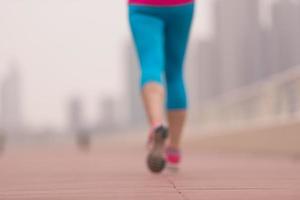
(238, 42)
(11, 105)
(269, 52)
(75, 115)
(136, 111)
(192, 72)
(210, 73)
(286, 31)
(108, 113)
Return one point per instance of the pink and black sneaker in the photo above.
(173, 157)
(156, 157)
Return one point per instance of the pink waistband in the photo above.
(160, 2)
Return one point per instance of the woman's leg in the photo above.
(153, 98)
(149, 40)
(176, 121)
(148, 33)
(177, 34)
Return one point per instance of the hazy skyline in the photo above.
(71, 47)
(66, 48)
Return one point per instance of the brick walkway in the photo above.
(64, 173)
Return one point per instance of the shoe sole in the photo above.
(172, 167)
(156, 160)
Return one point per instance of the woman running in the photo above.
(160, 30)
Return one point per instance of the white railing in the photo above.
(274, 100)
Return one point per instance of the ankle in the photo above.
(156, 125)
(174, 147)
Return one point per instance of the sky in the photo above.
(67, 48)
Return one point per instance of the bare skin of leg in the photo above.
(153, 97)
(176, 123)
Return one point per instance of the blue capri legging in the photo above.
(161, 35)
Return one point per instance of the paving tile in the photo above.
(108, 173)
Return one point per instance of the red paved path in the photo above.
(106, 173)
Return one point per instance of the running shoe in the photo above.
(156, 157)
(173, 157)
